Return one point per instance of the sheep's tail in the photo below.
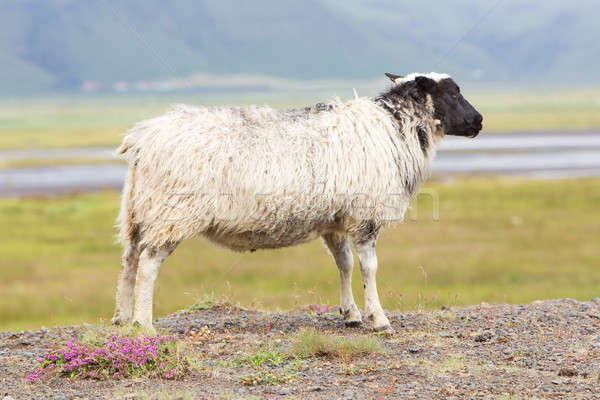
(128, 230)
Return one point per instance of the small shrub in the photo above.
(311, 343)
(117, 357)
(208, 301)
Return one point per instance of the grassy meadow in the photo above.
(465, 241)
(537, 110)
(488, 240)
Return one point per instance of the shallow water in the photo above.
(530, 155)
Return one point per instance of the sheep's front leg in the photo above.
(129, 267)
(150, 261)
(364, 244)
(340, 249)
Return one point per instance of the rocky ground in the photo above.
(543, 350)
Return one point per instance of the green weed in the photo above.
(209, 300)
(312, 343)
(271, 365)
(263, 355)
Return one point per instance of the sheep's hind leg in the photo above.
(340, 249)
(149, 264)
(129, 267)
(364, 244)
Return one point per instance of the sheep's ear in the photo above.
(425, 83)
(393, 77)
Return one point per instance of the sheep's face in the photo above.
(455, 114)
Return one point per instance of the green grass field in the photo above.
(494, 240)
(71, 122)
(538, 110)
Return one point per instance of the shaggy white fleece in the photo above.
(250, 177)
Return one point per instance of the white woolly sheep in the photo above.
(253, 178)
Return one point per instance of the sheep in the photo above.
(251, 178)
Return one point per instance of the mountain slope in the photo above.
(58, 44)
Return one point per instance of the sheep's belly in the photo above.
(245, 241)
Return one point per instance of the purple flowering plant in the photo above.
(114, 356)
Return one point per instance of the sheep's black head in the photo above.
(456, 115)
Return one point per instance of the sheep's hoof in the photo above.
(352, 324)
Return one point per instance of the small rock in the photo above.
(446, 334)
(567, 372)
(284, 392)
(483, 336)
(502, 339)
(414, 350)
(316, 389)
(8, 398)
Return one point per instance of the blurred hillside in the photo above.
(108, 45)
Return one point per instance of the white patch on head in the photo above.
(431, 75)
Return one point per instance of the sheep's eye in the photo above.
(454, 96)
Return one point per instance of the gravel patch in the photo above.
(542, 350)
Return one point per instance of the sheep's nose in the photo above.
(477, 121)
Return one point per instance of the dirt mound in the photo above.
(547, 349)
